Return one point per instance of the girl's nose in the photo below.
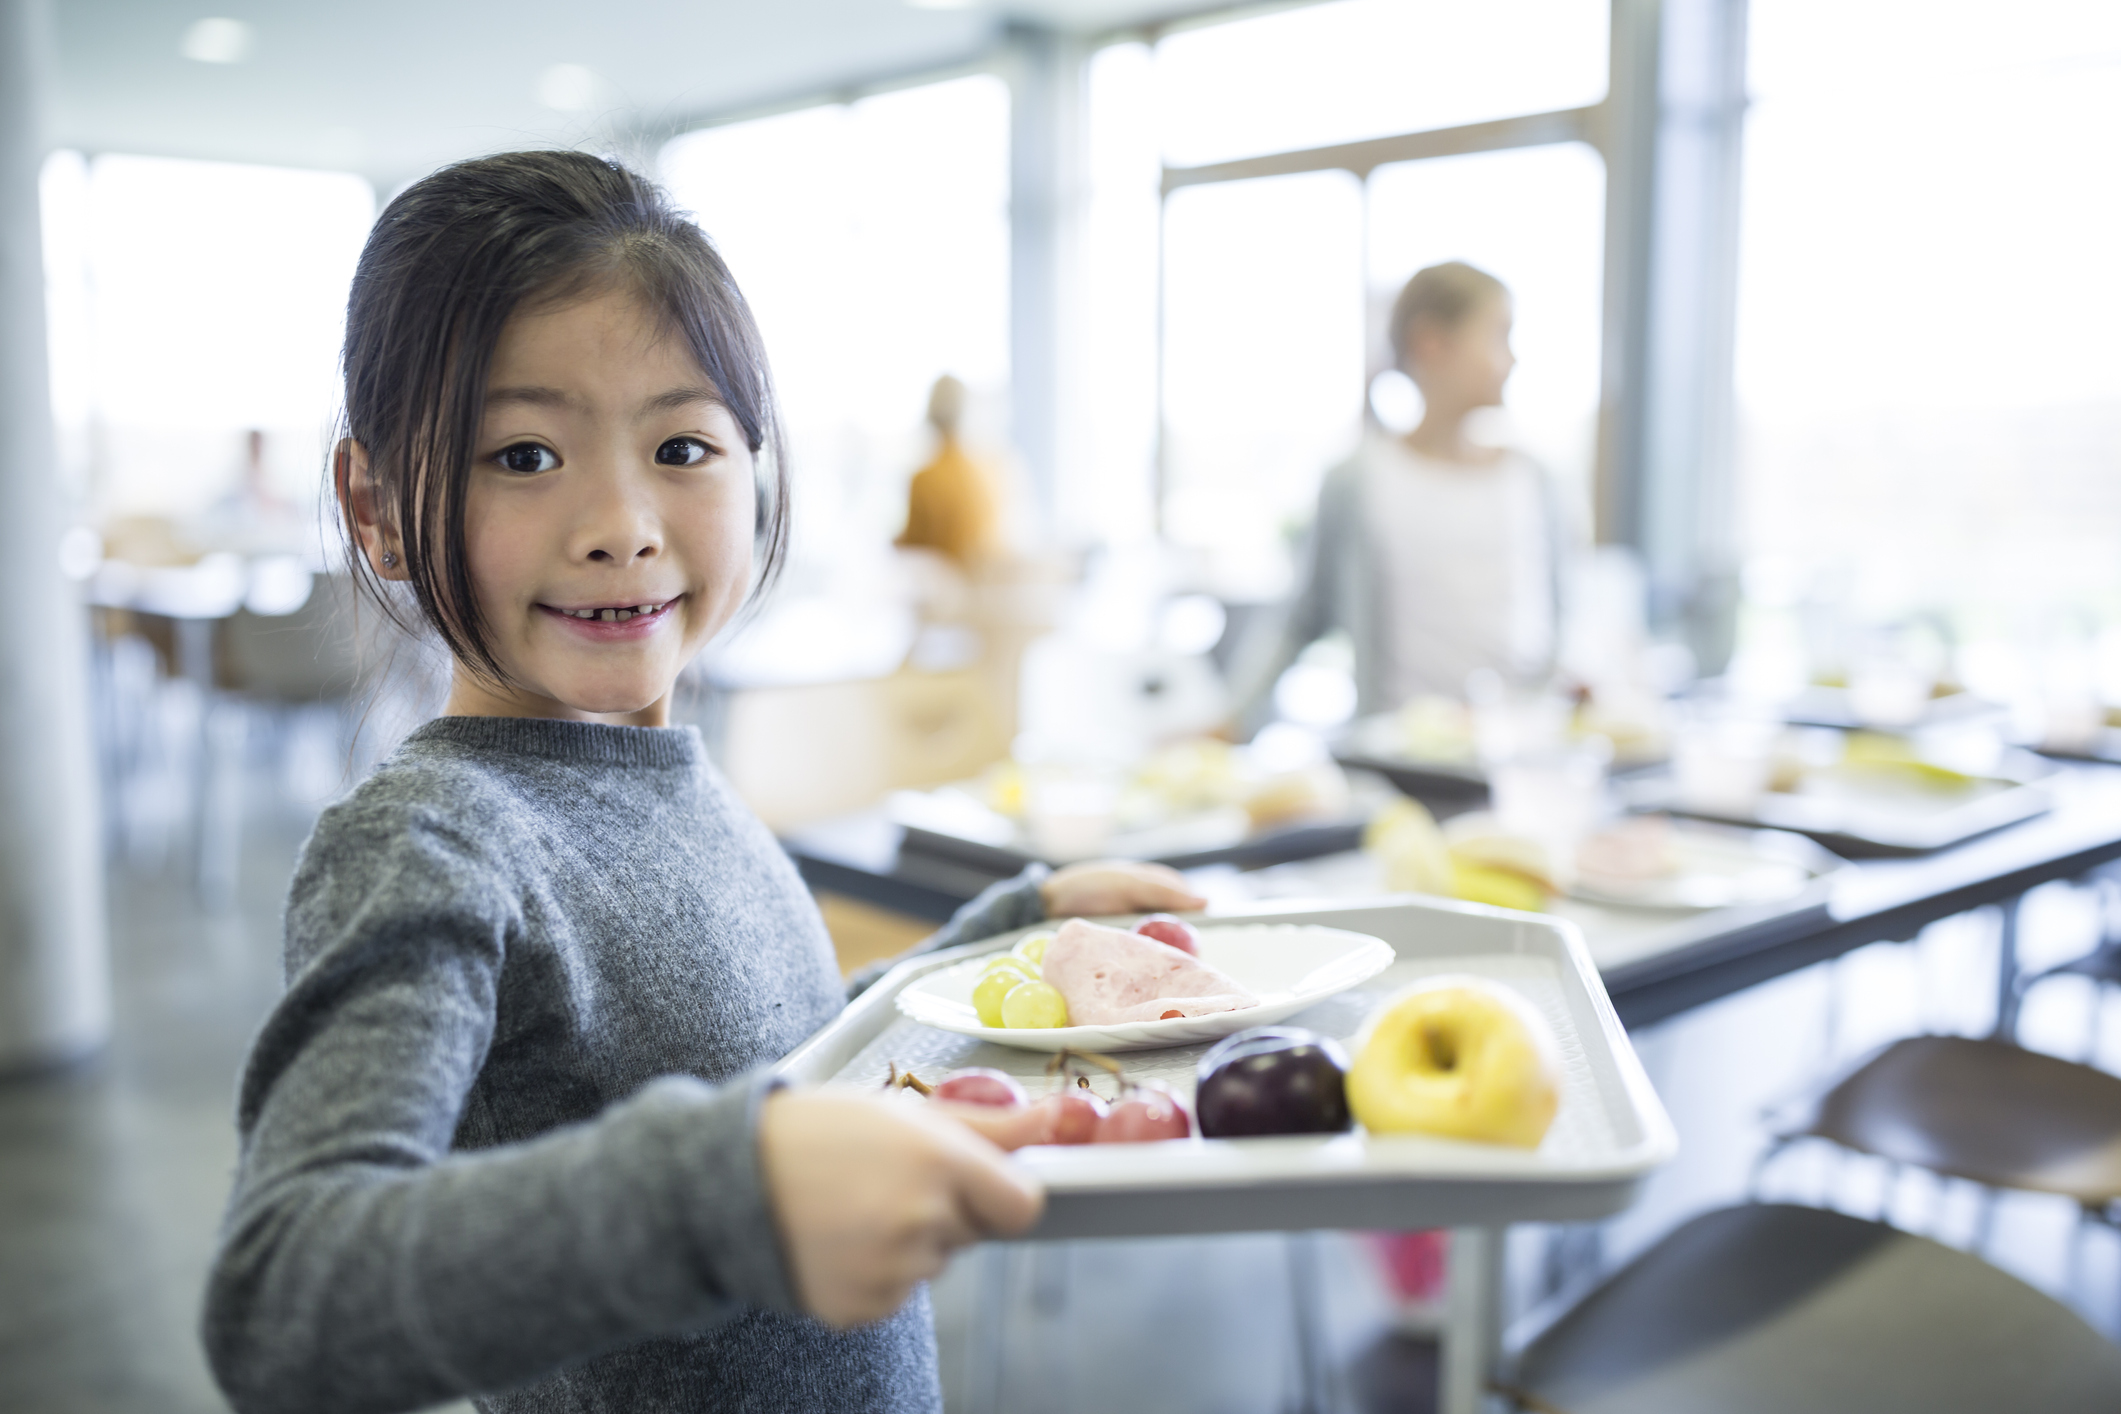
(619, 527)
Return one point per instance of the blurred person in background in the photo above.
(252, 517)
(1437, 554)
(955, 504)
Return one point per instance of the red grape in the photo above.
(1077, 1115)
(980, 1086)
(1147, 1111)
(1174, 932)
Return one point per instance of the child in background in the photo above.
(1437, 555)
(511, 1131)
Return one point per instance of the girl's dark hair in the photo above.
(448, 262)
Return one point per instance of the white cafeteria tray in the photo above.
(1611, 1130)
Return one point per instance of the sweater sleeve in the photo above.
(363, 1265)
(1010, 903)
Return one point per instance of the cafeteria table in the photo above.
(1655, 963)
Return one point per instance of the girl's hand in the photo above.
(871, 1195)
(1117, 886)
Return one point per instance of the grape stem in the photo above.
(906, 1081)
(1063, 1067)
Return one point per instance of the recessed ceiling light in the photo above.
(217, 41)
(569, 87)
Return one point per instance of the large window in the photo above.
(1372, 68)
(1275, 283)
(1263, 351)
(872, 239)
(191, 303)
(1929, 383)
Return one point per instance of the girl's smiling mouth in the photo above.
(604, 622)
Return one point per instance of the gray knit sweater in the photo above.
(498, 1137)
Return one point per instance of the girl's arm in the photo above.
(363, 1264)
(1000, 907)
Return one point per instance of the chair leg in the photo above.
(2073, 1262)
(1777, 1146)
(1984, 1220)
(2094, 1025)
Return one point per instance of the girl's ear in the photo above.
(377, 533)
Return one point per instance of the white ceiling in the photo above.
(393, 88)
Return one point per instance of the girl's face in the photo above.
(609, 516)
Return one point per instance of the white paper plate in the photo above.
(1287, 966)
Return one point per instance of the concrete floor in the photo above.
(113, 1174)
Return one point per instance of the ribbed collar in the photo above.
(587, 742)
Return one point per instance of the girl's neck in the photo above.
(472, 696)
(1442, 437)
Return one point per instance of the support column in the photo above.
(1473, 1318)
(1047, 190)
(1674, 131)
(54, 970)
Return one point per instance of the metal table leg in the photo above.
(1472, 1329)
(1314, 1394)
(2007, 969)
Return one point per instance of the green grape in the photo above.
(987, 995)
(1034, 1004)
(1011, 961)
(1032, 947)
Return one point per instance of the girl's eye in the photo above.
(682, 451)
(528, 457)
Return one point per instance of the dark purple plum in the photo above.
(1272, 1080)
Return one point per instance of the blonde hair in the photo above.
(1441, 296)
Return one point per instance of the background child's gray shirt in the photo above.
(498, 1136)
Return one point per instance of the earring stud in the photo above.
(389, 559)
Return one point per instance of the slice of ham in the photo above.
(1108, 975)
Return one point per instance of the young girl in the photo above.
(510, 1132)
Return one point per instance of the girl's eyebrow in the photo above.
(668, 401)
(530, 396)
(677, 398)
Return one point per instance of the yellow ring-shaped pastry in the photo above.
(1463, 1059)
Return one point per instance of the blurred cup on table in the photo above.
(1555, 795)
(1722, 762)
(1511, 722)
(1894, 675)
